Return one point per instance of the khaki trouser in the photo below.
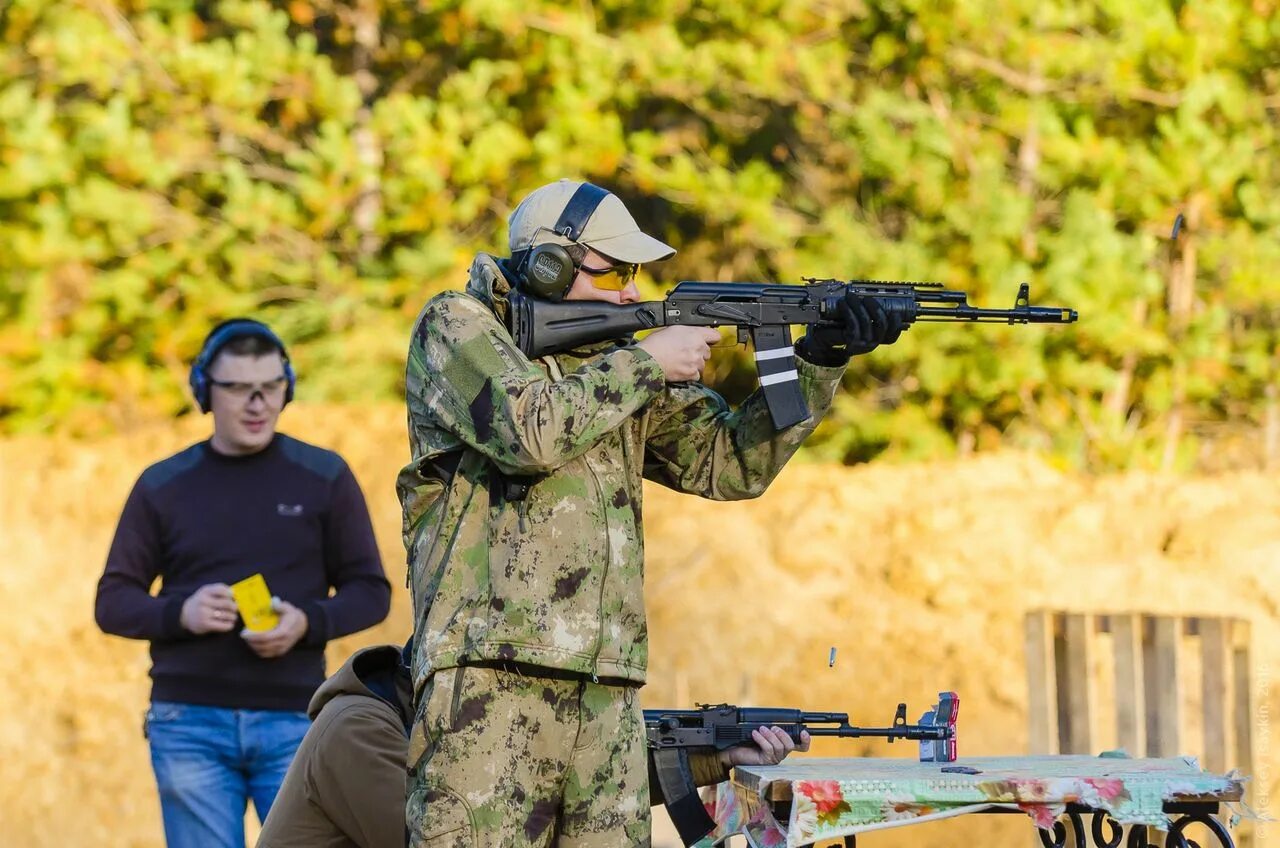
(503, 760)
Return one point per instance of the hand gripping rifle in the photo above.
(762, 312)
(673, 734)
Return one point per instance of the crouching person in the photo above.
(346, 785)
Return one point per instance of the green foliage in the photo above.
(327, 166)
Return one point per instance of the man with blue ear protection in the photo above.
(227, 703)
(522, 523)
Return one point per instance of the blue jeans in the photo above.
(209, 761)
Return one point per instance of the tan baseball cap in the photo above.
(609, 229)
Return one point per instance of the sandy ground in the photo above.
(920, 577)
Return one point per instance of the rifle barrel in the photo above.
(1021, 315)
(911, 731)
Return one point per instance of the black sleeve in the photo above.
(124, 605)
(362, 595)
(705, 766)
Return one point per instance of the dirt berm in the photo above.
(920, 576)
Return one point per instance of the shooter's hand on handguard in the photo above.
(865, 325)
(772, 746)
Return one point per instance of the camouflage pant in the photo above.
(502, 760)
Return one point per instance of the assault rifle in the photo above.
(673, 734)
(763, 313)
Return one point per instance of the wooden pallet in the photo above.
(1145, 663)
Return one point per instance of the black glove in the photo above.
(864, 326)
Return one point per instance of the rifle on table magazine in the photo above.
(673, 734)
(762, 312)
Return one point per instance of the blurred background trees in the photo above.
(327, 166)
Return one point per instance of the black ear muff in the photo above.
(549, 271)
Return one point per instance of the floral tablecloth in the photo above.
(831, 798)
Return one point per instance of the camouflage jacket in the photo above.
(555, 579)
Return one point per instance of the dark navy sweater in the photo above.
(292, 512)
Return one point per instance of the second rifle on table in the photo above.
(674, 734)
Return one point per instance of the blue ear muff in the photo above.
(235, 328)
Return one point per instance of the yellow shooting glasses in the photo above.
(615, 278)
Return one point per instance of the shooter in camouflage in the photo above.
(522, 521)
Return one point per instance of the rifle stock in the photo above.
(541, 327)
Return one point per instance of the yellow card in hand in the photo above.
(253, 599)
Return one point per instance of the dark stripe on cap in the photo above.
(576, 214)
